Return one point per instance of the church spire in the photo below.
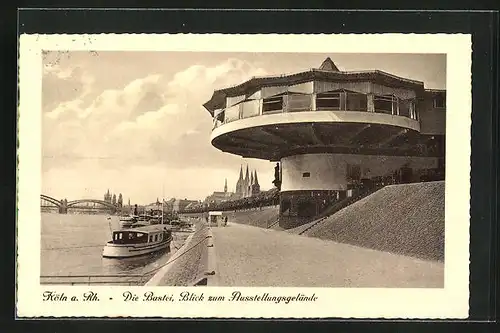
(255, 179)
(251, 178)
(246, 175)
(241, 172)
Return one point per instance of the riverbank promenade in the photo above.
(247, 256)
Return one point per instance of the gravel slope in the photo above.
(404, 219)
(249, 256)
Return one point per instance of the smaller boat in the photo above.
(138, 241)
(155, 220)
(138, 224)
(144, 218)
(127, 221)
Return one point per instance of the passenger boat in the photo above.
(138, 241)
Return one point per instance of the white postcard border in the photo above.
(448, 302)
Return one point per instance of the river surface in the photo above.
(72, 244)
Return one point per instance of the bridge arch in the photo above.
(100, 202)
(51, 200)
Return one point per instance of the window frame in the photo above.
(268, 101)
(412, 108)
(439, 97)
(289, 99)
(388, 98)
(324, 96)
(355, 94)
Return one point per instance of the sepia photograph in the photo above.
(319, 170)
(313, 170)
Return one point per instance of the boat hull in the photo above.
(133, 250)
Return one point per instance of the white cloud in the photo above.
(153, 120)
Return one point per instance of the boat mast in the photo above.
(162, 200)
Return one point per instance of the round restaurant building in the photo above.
(332, 133)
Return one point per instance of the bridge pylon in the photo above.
(63, 207)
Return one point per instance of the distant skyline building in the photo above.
(108, 197)
(245, 187)
(114, 199)
(180, 204)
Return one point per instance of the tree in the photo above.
(120, 200)
(114, 200)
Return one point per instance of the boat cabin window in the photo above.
(129, 237)
(117, 236)
(150, 238)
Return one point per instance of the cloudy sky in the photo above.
(134, 122)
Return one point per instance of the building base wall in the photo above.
(300, 207)
(337, 171)
(310, 183)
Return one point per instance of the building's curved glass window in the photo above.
(232, 113)
(407, 108)
(342, 100)
(439, 101)
(218, 117)
(414, 114)
(356, 101)
(386, 104)
(328, 101)
(272, 104)
(298, 102)
(216, 123)
(250, 108)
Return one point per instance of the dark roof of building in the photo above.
(435, 91)
(328, 71)
(328, 65)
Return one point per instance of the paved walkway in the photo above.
(252, 256)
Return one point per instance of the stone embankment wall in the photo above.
(190, 265)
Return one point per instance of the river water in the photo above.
(72, 245)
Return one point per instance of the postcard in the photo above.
(244, 176)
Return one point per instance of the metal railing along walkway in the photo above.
(341, 205)
(103, 279)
